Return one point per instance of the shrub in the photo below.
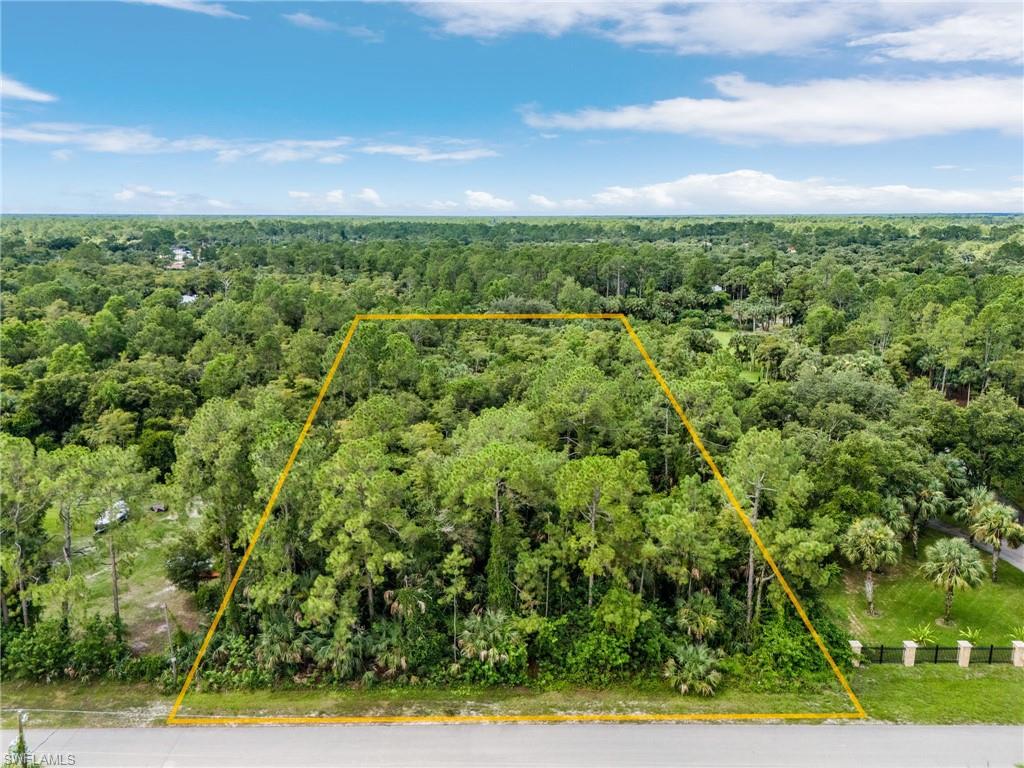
(693, 669)
(699, 616)
(621, 612)
(229, 665)
(597, 657)
(209, 595)
(493, 648)
(98, 650)
(785, 653)
(149, 667)
(971, 635)
(186, 564)
(923, 634)
(41, 652)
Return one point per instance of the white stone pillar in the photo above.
(909, 652)
(856, 646)
(963, 655)
(1018, 653)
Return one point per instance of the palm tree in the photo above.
(921, 506)
(693, 668)
(871, 543)
(974, 502)
(993, 523)
(952, 564)
(488, 637)
(699, 616)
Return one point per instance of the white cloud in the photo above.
(287, 150)
(308, 21)
(749, 191)
(370, 195)
(61, 155)
(141, 141)
(985, 33)
(838, 111)
(441, 205)
(421, 154)
(938, 31)
(364, 33)
(478, 200)
(734, 28)
(317, 24)
(14, 89)
(194, 6)
(135, 191)
(145, 199)
(543, 202)
(574, 204)
(336, 199)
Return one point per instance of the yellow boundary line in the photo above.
(173, 719)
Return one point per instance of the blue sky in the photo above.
(526, 108)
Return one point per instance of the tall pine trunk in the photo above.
(455, 629)
(65, 516)
(750, 554)
(593, 544)
(114, 577)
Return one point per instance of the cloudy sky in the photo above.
(520, 108)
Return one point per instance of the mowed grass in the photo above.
(905, 599)
(749, 374)
(723, 337)
(941, 693)
(924, 694)
(427, 701)
(76, 704)
(143, 584)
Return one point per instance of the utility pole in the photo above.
(21, 750)
(170, 645)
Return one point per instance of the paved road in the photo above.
(591, 745)
(1012, 555)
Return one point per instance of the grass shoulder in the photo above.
(926, 694)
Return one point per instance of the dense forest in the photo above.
(509, 502)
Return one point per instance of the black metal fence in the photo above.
(936, 654)
(882, 654)
(993, 654)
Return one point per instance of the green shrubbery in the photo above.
(785, 654)
(50, 650)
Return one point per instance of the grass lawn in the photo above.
(750, 373)
(941, 693)
(723, 337)
(924, 694)
(144, 588)
(905, 599)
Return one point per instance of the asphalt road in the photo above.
(590, 745)
(1012, 555)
